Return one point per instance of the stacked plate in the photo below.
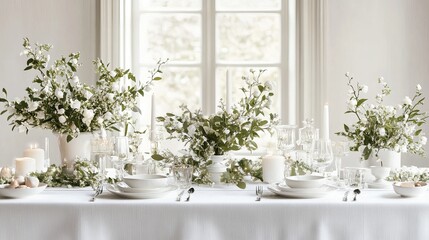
(306, 186)
(144, 186)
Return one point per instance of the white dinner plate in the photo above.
(309, 194)
(123, 187)
(20, 192)
(141, 195)
(285, 188)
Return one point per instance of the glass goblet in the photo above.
(322, 155)
(120, 155)
(340, 149)
(285, 138)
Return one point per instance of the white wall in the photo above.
(70, 26)
(367, 38)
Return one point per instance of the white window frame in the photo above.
(303, 81)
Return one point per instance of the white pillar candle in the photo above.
(24, 166)
(38, 155)
(325, 123)
(273, 168)
(153, 119)
(228, 92)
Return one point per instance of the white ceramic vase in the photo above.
(79, 147)
(217, 168)
(390, 159)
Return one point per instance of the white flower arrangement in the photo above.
(384, 127)
(407, 174)
(65, 105)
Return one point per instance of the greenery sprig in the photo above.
(84, 174)
(237, 170)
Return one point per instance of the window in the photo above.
(205, 38)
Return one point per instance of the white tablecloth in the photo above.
(214, 214)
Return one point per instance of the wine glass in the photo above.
(340, 149)
(285, 138)
(306, 136)
(120, 155)
(321, 153)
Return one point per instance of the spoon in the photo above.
(356, 192)
(190, 191)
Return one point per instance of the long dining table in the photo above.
(225, 212)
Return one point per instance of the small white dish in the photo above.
(123, 187)
(305, 181)
(378, 185)
(142, 195)
(285, 188)
(298, 194)
(146, 181)
(409, 189)
(20, 192)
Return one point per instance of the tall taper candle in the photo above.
(228, 92)
(153, 119)
(325, 126)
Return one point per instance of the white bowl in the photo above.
(409, 189)
(146, 181)
(305, 181)
(20, 192)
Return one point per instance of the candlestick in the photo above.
(325, 126)
(24, 166)
(153, 119)
(273, 168)
(228, 92)
(38, 155)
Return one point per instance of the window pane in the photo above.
(272, 74)
(248, 5)
(248, 37)
(177, 38)
(170, 4)
(180, 85)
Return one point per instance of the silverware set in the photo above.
(190, 191)
(98, 191)
(355, 192)
(259, 191)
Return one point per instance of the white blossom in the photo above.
(32, 106)
(256, 92)
(419, 88)
(74, 61)
(75, 104)
(62, 119)
(107, 116)
(364, 88)
(423, 140)
(269, 85)
(88, 94)
(40, 115)
(21, 128)
(59, 93)
(191, 130)
(88, 115)
(382, 132)
(112, 73)
(75, 80)
(61, 111)
(407, 101)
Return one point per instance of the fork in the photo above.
(259, 191)
(98, 191)
(180, 195)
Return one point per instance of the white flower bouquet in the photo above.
(59, 101)
(379, 126)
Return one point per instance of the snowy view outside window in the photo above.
(246, 34)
